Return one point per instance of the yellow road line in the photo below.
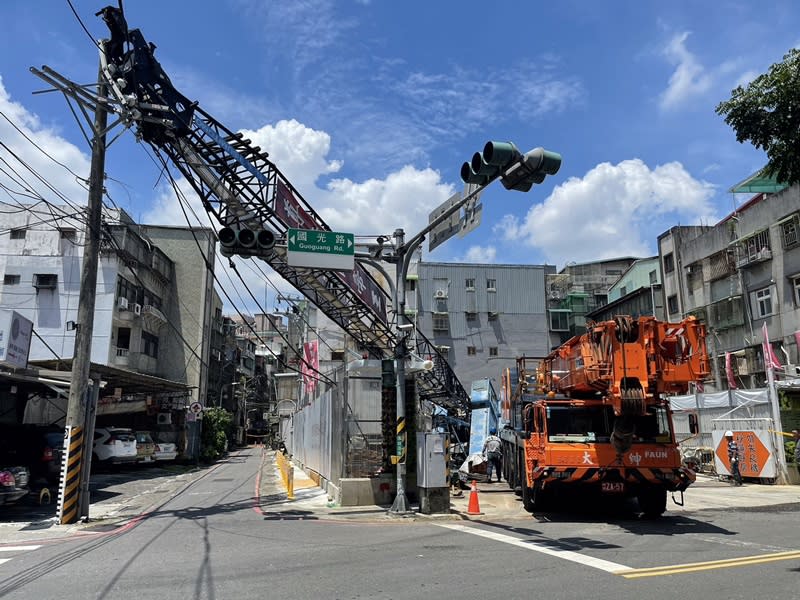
(708, 565)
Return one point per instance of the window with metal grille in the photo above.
(790, 231)
(17, 234)
(757, 245)
(11, 279)
(149, 344)
(469, 284)
(471, 350)
(796, 290)
(492, 350)
(441, 323)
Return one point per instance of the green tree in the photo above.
(766, 113)
(217, 426)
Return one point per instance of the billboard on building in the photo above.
(15, 339)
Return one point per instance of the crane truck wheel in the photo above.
(653, 501)
(527, 497)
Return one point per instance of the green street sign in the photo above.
(320, 249)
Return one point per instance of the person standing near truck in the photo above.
(493, 451)
(734, 457)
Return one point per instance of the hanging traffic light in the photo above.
(388, 376)
(517, 171)
(244, 241)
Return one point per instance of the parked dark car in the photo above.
(13, 484)
(38, 448)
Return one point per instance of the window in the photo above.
(443, 350)
(623, 290)
(757, 246)
(492, 350)
(469, 284)
(669, 263)
(411, 285)
(17, 234)
(796, 290)
(441, 322)
(472, 316)
(471, 350)
(11, 280)
(491, 285)
(762, 302)
(653, 276)
(559, 320)
(149, 344)
(45, 281)
(67, 233)
(493, 316)
(672, 304)
(790, 231)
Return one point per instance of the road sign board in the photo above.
(319, 249)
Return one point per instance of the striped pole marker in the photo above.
(69, 492)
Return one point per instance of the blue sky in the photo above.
(370, 107)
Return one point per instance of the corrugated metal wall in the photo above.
(338, 433)
(499, 325)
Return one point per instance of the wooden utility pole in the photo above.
(79, 442)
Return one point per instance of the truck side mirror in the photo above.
(693, 426)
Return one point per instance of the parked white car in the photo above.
(114, 445)
(165, 451)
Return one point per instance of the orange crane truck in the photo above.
(593, 416)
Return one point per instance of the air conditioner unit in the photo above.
(137, 309)
(742, 366)
(440, 294)
(164, 419)
(764, 254)
(122, 303)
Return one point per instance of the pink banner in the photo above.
(729, 372)
(770, 360)
(310, 366)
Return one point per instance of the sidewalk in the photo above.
(497, 501)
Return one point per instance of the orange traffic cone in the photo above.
(473, 508)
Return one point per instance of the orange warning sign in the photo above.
(754, 455)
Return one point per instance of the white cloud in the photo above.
(31, 149)
(689, 79)
(614, 210)
(480, 255)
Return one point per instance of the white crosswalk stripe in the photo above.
(16, 549)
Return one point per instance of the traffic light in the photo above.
(517, 171)
(388, 376)
(245, 242)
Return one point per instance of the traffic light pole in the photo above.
(402, 258)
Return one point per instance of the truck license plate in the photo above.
(612, 487)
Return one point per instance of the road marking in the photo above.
(15, 549)
(622, 570)
(709, 565)
(589, 561)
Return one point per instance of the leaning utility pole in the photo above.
(79, 432)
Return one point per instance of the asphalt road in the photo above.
(229, 533)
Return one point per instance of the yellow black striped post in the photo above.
(400, 432)
(68, 496)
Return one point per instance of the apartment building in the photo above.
(481, 317)
(150, 323)
(737, 276)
